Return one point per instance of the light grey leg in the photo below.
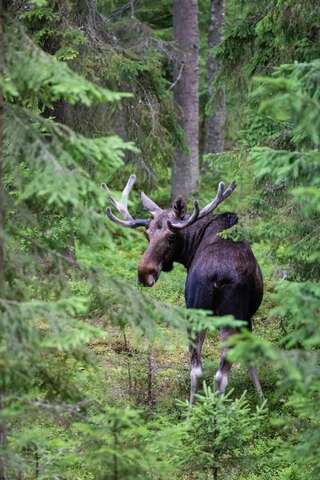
(222, 375)
(196, 363)
(255, 380)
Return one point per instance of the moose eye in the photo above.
(171, 238)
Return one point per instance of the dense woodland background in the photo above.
(93, 369)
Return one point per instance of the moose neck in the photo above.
(193, 237)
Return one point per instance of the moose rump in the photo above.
(225, 278)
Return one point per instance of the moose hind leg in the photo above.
(222, 375)
(255, 380)
(195, 363)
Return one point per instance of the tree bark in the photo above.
(3, 429)
(87, 12)
(215, 118)
(185, 169)
(89, 19)
(2, 23)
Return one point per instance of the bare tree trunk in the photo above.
(215, 119)
(87, 12)
(185, 169)
(3, 430)
(89, 19)
(2, 23)
(132, 8)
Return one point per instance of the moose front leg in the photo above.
(195, 350)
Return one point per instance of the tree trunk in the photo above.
(3, 430)
(90, 20)
(185, 169)
(2, 23)
(87, 12)
(215, 119)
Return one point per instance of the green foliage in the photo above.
(53, 203)
(259, 36)
(54, 283)
(291, 299)
(116, 443)
(280, 139)
(307, 420)
(294, 90)
(51, 31)
(219, 434)
(41, 79)
(80, 344)
(292, 95)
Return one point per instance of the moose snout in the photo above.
(148, 274)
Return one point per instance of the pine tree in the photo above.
(215, 115)
(185, 170)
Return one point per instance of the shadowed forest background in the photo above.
(94, 371)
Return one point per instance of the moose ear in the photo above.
(179, 207)
(229, 219)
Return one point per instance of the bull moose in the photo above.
(223, 276)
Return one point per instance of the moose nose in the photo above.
(149, 280)
(147, 276)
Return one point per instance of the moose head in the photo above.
(166, 228)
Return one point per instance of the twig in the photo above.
(178, 77)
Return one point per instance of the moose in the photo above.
(223, 276)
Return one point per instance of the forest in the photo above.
(177, 96)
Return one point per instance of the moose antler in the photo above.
(221, 195)
(149, 204)
(122, 207)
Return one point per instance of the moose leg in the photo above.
(196, 363)
(222, 375)
(255, 380)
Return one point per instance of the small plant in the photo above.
(220, 433)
